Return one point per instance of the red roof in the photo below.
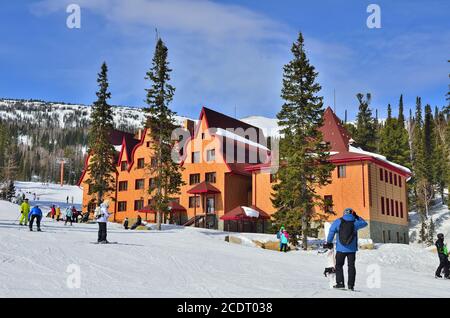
(203, 188)
(238, 214)
(173, 205)
(334, 132)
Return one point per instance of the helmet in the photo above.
(348, 211)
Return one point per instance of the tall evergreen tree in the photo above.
(101, 168)
(303, 153)
(161, 123)
(366, 134)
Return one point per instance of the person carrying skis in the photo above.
(58, 213)
(35, 214)
(346, 229)
(53, 212)
(284, 240)
(102, 215)
(444, 263)
(68, 213)
(25, 210)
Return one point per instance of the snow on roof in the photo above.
(252, 213)
(230, 135)
(377, 156)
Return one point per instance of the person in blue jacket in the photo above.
(346, 229)
(35, 214)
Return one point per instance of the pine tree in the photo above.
(366, 136)
(303, 154)
(101, 168)
(431, 232)
(11, 191)
(161, 123)
(441, 163)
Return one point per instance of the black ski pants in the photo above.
(283, 247)
(340, 260)
(444, 264)
(38, 221)
(101, 232)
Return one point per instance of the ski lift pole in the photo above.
(62, 161)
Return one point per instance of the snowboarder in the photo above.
(53, 212)
(58, 213)
(444, 263)
(25, 210)
(138, 223)
(330, 270)
(125, 224)
(68, 214)
(346, 229)
(102, 215)
(35, 214)
(284, 239)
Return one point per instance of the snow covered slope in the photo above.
(441, 217)
(188, 262)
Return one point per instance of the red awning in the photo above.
(204, 188)
(239, 213)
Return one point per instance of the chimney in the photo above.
(139, 134)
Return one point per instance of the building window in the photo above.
(194, 178)
(395, 179)
(121, 206)
(404, 238)
(381, 174)
(384, 236)
(139, 184)
(273, 178)
(387, 207)
(194, 201)
(152, 183)
(401, 210)
(90, 188)
(123, 166)
(389, 235)
(210, 205)
(154, 162)
(141, 163)
(341, 171)
(396, 209)
(382, 206)
(386, 176)
(400, 181)
(123, 185)
(328, 203)
(211, 155)
(398, 237)
(392, 207)
(390, 177)
(148, 144)
(138, 205)
(210, 177)
(195, 157)
(203, 136)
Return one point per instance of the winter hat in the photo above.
(348, 211)
(440, 236)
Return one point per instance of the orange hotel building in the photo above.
(222, 172)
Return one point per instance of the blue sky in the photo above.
(226, 54)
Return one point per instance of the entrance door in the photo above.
(210, 205)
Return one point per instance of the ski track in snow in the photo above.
(187, 262)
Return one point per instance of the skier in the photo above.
(138, 223)
(102, 215)
(279, 234)
(58, 213)
(74, 214)
(346, 229)
(35, 214)
(67, 200)
(125, 224)
(284, 239)
(68, 214)
(25, 210)
(53, 212)
(443, 257)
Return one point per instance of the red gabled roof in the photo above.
(334, 132)
(238, 213)
(219, 120)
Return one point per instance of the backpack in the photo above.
(97, 213)
(346, 231)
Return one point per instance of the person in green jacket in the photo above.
(25, 210)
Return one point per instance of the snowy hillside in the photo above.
(64, 114)
(441, 217)
(186, 262)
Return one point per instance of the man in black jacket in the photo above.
(443, 257)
